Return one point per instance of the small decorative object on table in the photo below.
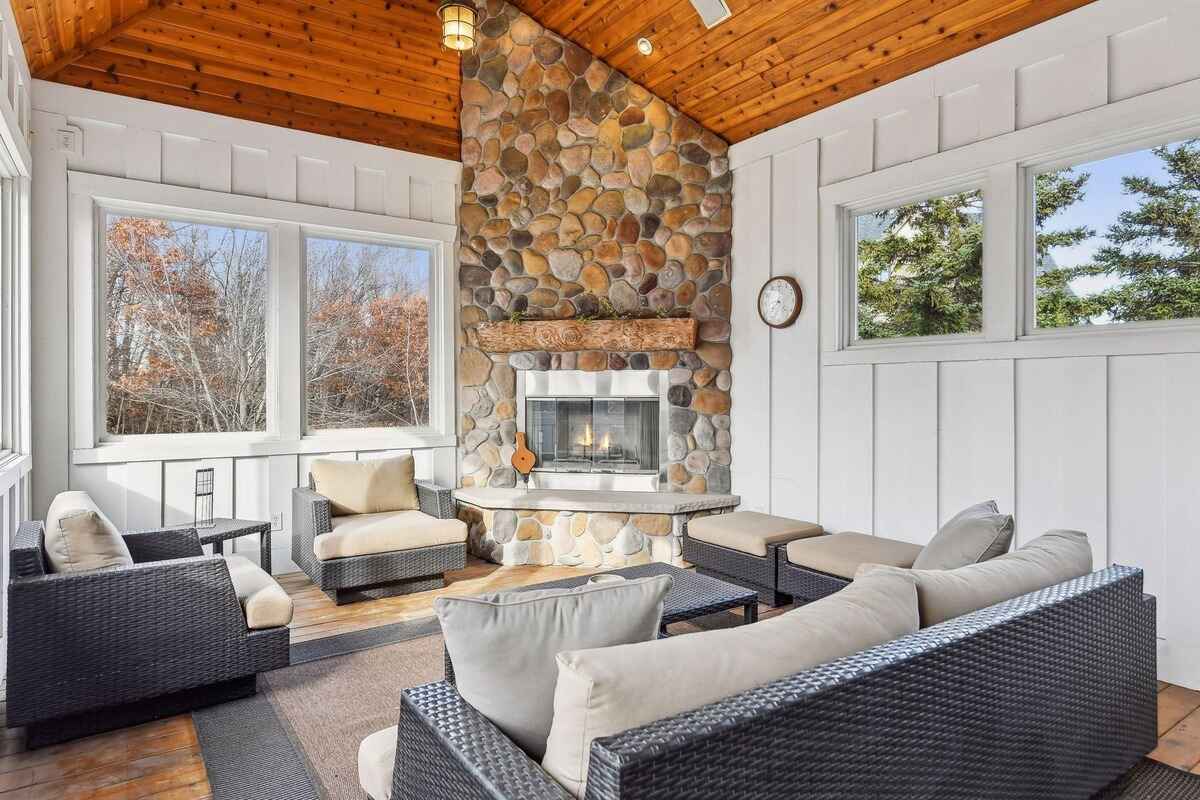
(523, 459)
(203, 508)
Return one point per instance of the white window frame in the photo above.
(1078, 156)
(849, 258)
(360, 237)
(91, 196)
(1005, 164)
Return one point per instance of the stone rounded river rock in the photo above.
(547, 50)
(635, 136)
(565, 264)
(663, 186)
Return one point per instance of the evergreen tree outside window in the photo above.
(919, 268)
(1118, 239)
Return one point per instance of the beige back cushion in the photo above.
(1053, 557)
(503, 645)
(79, 537)
(606, 691)
(366, 487)
(972, 535)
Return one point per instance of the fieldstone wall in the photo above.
(583, 194)
(575, 538)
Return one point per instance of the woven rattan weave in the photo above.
(348, 580)
(1049, 695)
(93, 651)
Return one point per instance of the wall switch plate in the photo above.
(69, 140)
(277, 521)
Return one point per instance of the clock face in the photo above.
(779, 302)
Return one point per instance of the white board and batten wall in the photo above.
(16, 169)
(1098, 431)
(170, 147)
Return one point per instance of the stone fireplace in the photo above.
(587, 197)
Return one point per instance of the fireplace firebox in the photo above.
(602, 430)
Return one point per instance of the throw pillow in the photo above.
(972, 535)
(1053, 557)
(366, 487)
(503, 645)
(601, 692)
(80, 538)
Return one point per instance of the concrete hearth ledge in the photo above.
(594, 500)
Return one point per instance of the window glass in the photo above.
(1118, 240)
(919, 268)
(185, 326)
(367, 337)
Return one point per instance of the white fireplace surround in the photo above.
(603, 384)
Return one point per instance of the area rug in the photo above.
(297, 739)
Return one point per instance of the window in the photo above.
(219, 324)
(185, 326)
(919, 268)
(367, 336)
(1118, 240)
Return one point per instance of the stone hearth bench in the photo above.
(579, 527)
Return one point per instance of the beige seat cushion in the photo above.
(264, 601)
(974, 534)
(749, 531)
(376, 760)
(80, 538)
(605, 691)
(841, 554)
(503, 645)
(1053, 557)
(366, 487)
(364, 534)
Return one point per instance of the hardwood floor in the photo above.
(161, 760)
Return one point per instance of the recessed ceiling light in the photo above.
(645, 46)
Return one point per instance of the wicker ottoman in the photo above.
(741, 547)
(811, 569)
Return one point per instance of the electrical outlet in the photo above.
(277, 521)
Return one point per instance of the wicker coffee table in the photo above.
(692, 595)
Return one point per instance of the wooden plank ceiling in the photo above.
(775, 61)
(368, 70)
(372, 70)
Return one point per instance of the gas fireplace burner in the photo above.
(602, 430)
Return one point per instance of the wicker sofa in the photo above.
(1048, 695)
(364, 577)
(98, 650)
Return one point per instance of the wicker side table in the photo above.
(225, 528)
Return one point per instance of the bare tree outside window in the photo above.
(185, 324)
(367, 337)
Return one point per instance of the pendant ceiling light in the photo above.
(458, 24)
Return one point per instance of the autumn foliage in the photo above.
(187, 336)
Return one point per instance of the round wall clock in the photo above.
(780, 301)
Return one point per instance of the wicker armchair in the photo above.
(348, 580)
(94, 651)
(1048, 695)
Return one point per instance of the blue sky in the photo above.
(411, 263)
(1104, 201)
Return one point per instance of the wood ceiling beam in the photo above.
(52, 69)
